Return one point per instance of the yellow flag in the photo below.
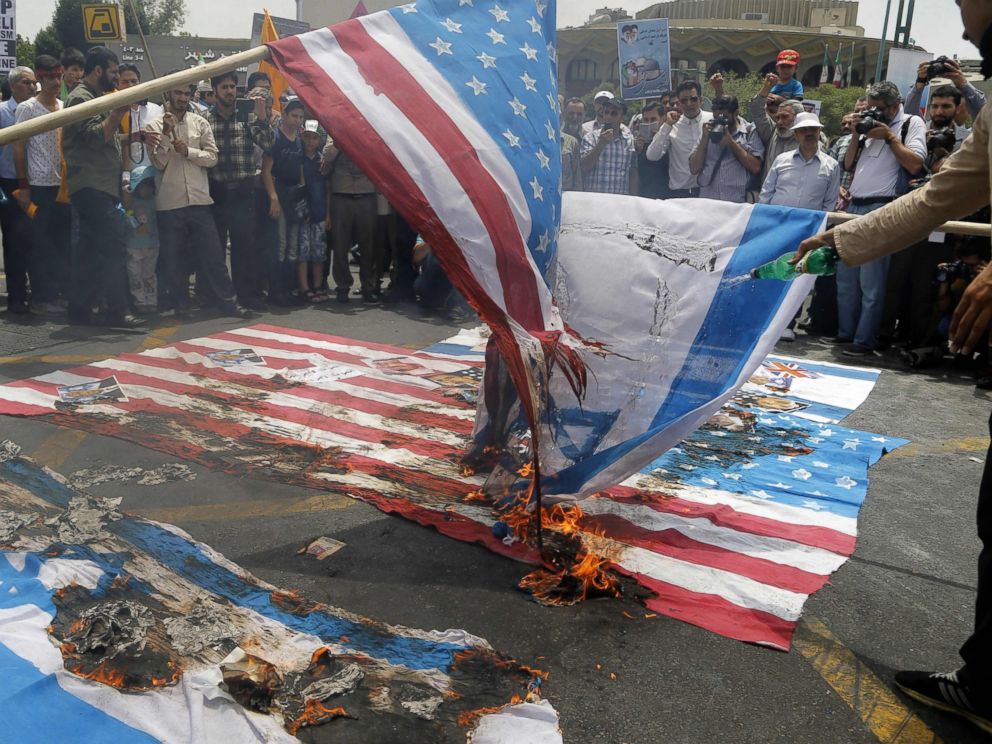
(279, 83)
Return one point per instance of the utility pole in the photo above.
(904, 26)
(881, 47)
(299, 10)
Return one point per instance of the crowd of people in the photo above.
(222, 197)
(688, 145)
(219, 197)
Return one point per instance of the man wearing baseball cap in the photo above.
(598, 100)
(785, 66)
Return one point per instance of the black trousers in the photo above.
(193, 229)
(16, 245)
(234, 214)
(98, 271)
(911, 295)
(977, 650)
(48, 262)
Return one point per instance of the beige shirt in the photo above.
(182, 181)
(961, 187)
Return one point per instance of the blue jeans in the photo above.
(861, 295)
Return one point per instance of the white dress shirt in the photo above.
(679, 141)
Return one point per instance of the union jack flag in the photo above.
(788, 369)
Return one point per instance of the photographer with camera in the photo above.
(909, 298)
(974, 99)
(608, 155)
(959, 188)
(888, 149)
(728, 154)
(232, 184)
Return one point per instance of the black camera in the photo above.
(938, 68)
(870, 119)
(941, 139)
(243, 109)
(719, 128)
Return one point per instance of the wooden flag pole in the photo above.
(144, 91)
(977, 229)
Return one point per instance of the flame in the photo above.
(526, 471)
(102, 674)
(476, 497)
(467, 471)
(315, 713)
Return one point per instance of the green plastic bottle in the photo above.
(822, 261)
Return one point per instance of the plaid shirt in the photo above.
(837, 151)
(611, 174)
(236, 143)
(725, 178)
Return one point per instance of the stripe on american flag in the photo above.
(736, 566)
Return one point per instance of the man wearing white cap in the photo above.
(596, 124)
(806, 178)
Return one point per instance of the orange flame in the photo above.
(102, 674)
(526, 471)
(315, 713)
(467, 471)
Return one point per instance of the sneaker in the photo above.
(788, 335)
(46, 309)
(949, 693)
(370, 298)
(837, 340)
(341, 295)
(856, 350)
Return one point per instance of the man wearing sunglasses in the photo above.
(678, 137)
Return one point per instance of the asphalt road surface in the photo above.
(904, 601)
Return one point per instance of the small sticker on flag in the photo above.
(235, 357)
(92, 392)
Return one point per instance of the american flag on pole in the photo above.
(451, 108)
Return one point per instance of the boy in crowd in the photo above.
(785, 66)
(142, 240)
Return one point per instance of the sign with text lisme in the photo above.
(645, 58)
(8, 36)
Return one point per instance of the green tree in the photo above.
(154, 17)
(46, 42)
(25, 51)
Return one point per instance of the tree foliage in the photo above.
(25, 51)
(66, 28)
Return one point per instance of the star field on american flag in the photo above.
(502, 63)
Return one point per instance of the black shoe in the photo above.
(856, 350)
(341, 295)
(126, 321)
(258, 305)
(949, 693)
(234, 310)
(370, 298)
(18, 308)
(837, 340)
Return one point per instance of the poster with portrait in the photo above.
(645, 58)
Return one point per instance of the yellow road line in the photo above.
(962, 446)
(245, 509)
(56, 449)
(882, 712)
(160, 336)
(55, 359)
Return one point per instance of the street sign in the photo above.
(8, 36)
(103, 22)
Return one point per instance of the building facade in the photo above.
(736, 36)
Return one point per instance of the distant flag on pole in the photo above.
(850, 68)
(838, 68)
(825, 72)
(360, 10)
(279, 84)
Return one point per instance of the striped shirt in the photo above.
(611, 174)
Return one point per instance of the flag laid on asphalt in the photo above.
(732, 529)
(115, 629)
